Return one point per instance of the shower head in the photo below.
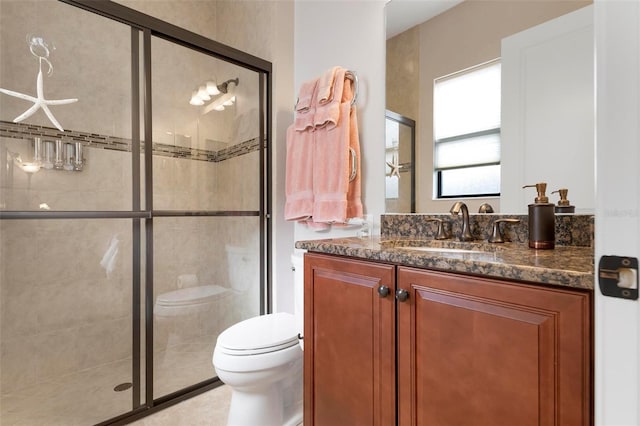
(224, 87)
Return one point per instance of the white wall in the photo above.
(350, 34)
(283, 116)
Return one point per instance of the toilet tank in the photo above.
(243, 265)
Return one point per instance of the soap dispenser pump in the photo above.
(564, 205)
(542, 220)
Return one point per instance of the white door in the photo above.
(547, 111)
(617, 345)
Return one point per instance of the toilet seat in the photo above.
(259, 335)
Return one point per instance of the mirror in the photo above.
(458, 35)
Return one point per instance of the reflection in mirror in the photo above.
(467, 34)
(467, 132)
(399, 158)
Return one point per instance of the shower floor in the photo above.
(88, 397)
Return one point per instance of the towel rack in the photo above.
(351, 75)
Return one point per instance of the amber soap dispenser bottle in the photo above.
(542, 220)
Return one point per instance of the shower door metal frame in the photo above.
(148, 26)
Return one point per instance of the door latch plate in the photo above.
(618, 276)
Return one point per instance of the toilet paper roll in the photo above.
(187, 280)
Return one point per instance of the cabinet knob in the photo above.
(402, 295)
(383, 291)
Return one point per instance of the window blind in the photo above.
(467, 118)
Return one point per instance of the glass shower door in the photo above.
(66, 243)
(207, 222)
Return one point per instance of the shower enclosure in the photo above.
(134, 216)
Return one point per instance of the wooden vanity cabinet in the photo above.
(469, 350)
(476, 351)
(349, 342)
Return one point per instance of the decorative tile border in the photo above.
(94, 140)
(571, 229)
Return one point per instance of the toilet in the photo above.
(260, 359)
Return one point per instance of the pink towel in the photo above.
(306, 94)
(326, 86)
(331, 171)
(354, 193)
(299, 158)
(299, 175)
(305, 107)
(328, 113)
(323, 148)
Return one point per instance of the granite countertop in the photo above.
(567, 266)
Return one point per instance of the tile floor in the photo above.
(209, 409)
(87, 397)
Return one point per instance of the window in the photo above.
(466, 122)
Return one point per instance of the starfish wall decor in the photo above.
(39, 101)
(395, 167)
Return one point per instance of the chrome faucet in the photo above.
(465, 235)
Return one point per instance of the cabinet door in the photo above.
(349, 343)
(485, 352)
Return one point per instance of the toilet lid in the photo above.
(266, 333)
(190, 295)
